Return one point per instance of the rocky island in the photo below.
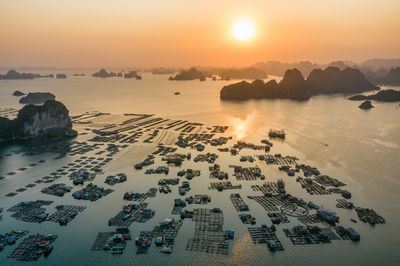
(48, 120)
(132, 74)
(294, 86)
(37, 98)
(18, 93)
(334, 80)
(61, 76)
(12, 74)
(190, 74)
(366, 105)
(382, 96)
(104, 74)
(392, 78)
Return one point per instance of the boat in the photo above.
(353, 234)
(159, 241)
(117, 250)
(329, 217)
(166, 249)
(277, 133)
(63, 220)
(48, 250)
(272, 246)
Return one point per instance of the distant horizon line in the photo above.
(38, 67)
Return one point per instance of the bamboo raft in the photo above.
(262, 235)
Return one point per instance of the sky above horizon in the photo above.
(178, 33)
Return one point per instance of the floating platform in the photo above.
(263, 235)
(208, 236)
(315, 235)
(31, 211)
(29, 250)
(223, 185)
(68, 211)
(238, 203)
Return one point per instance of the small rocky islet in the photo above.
(381, 96)
(37, 98)
(366, 105)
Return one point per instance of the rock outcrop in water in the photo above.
(18, 93)
(132, 74)
(104, 74)
(382, 96)
(392, 78)
(48, 120)
(292, 86)
(37, 98)
(61, 76)
(190, 74)
(333, 80)
(12, 74)
(366, 105)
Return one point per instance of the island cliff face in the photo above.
(294, 86)
(12, 74)
(190, 74)
(392, 78)
(333, 80)
(382, 96)
(132, 74)
(48, 120)
(104, 74)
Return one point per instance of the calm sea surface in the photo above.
(363, 151)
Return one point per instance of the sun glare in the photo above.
(243, 30)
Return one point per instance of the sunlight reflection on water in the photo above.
(241, 127)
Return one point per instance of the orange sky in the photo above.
(93, 33)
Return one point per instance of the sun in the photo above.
(243, 29)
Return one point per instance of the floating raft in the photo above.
(69, 211)
(267, 188)
(238, 203)
(344, 204)
(247, 173)
(137, 215)
(262, 235)
(208, 236)
(269, 203)
(310, 219)
(312, 237)
(169, 233)
(280, 160)
(15, 234)
(28, 249)
(29, 211)
(140, 197)
(101, 240)
(224, 185)
(162, 150)
(312, 187)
